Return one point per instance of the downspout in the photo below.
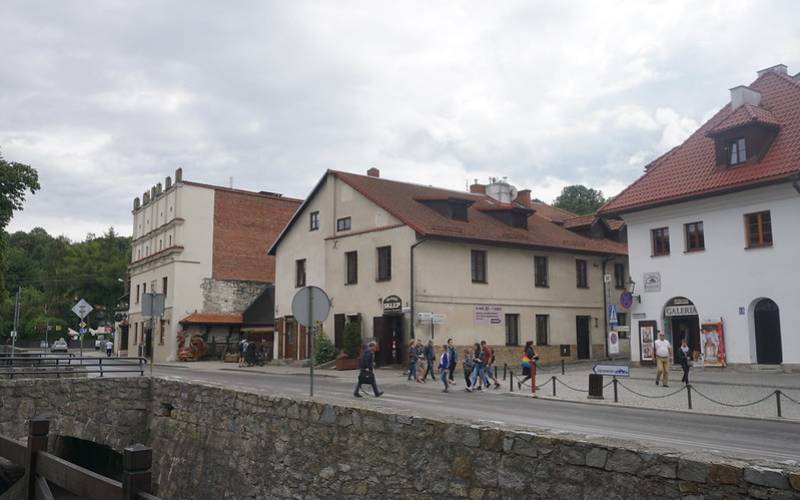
(411, 295)
(606, 260)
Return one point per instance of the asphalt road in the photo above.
(726, 436)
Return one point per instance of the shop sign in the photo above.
(670, 311)
(392, 305)
(652, 282)
(488, 315)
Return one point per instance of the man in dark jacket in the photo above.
(366, 372)
(430, 355)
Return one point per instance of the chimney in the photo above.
(781, 69)
(168, 183)
(136, 203)
(742, 95)
(477, 188)
(179, 175)
(524, 198)
(374, 172)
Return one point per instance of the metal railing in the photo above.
(42, 467)
(58, 366)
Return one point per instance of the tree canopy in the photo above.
(579, 199)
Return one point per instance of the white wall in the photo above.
(726, 276)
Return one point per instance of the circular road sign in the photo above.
(626, 299)
(310, 305)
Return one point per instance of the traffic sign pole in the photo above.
(311, 339)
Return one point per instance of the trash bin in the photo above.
(595, 386)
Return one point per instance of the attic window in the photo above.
(738, 151)
(458, 211)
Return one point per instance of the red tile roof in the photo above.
(743, 115)
(580, 221)
(198, 318)
(615, 224)
(398, 198)
(550, 212)
(690, 170)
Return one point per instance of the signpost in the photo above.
(81, 310)
(612, 370)
(152, 305)
(311, 305)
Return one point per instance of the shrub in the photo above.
(325, 351)
(352, 339)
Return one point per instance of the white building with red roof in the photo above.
(714, 232)
(409, 261)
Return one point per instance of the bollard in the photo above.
(563, 364)
(616, 399)
(689, 395)
(554, 386)
(778, 401)
(511, 378)
(505, 369)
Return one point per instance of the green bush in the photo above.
(352, 339)
(325, 351)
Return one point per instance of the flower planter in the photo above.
(346, 364)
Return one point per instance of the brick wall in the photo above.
(245, 226)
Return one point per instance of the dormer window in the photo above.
(738, 151)
(448, 206)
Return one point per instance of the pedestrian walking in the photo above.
(242, 347)
(429, 353)
(684, 357)
(444, 367)
(663, 355)
(412, 360)
(478, 376)
(366, 371)
(109, 348)
(469, 365)
(489, 365)
(528, 363)
(452, 357)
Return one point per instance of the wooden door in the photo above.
(290, 341)
(768, 333)
(338, 331)
(583, 337)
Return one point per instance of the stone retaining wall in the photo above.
(216, 443)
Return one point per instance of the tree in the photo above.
(579, 199)
(325, 350)
(15, 180)
(352, 339)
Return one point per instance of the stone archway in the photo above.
(767, 329)
(681, 320)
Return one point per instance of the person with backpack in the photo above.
(489, 365)
(444, 365)
(452, 357)
(528, 363)
(366, 371)
(469, 365)
(478, 376)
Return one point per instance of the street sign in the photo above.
(613, 342)
(82, 331)
(612, 370)
(626, 299)
(13, 334)
(82, 309)
(424, 316)
(438, 319)
(612, 315)
(310, 304)
(82, 324)
(153, 304)
(606, 278)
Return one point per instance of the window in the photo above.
(478, 266)
(351, 268)
(580, 273)
(695, 240)
(738, 151)
(170, 240)
(137, 294)
(164, 283)
(619, 275)
(759, 229)
(135, 333)
(160, 242)
(540, 271)
(622, 320)
(144, 289)
(313, 221)
(343, 224)
(542, 329)
(300, 273)
(459, 211)
(660, 239)
(384, 263)
(512, 329)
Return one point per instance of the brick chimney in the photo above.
(524, 197)
(374, 172)
(477, 188)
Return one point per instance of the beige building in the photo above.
(409, 261)
(204, 248)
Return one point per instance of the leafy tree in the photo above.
(352, 339)
(324, 348)
(16, 179)
(579, 199)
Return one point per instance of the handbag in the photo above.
(366, 377)
(525, 362)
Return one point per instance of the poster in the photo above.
(647, 333)
(712, 344)
(613, 342)
(488, 315)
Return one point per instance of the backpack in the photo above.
(443, 360)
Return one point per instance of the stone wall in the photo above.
(229, 296)
(211, 442)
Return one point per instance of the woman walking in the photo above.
(528, 363)
(412, 360)
(684, 358)
(444, 365)
(469, 365)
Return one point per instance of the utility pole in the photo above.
(46, 329)
(16, 322)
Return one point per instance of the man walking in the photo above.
(366, 373)
(663, 355)
(489, 365)
(444, 363)
(430, 355)
(452, 358)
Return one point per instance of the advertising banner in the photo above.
(647, 333)
(712, 344)
(488, 315)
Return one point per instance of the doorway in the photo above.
(768, 333)
(388, 332)
(583, 338)
(290, 349)
(338, 332)
(687, 327)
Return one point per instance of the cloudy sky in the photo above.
(105, 98)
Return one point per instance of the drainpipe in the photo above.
(606, 260)
(411, 295)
